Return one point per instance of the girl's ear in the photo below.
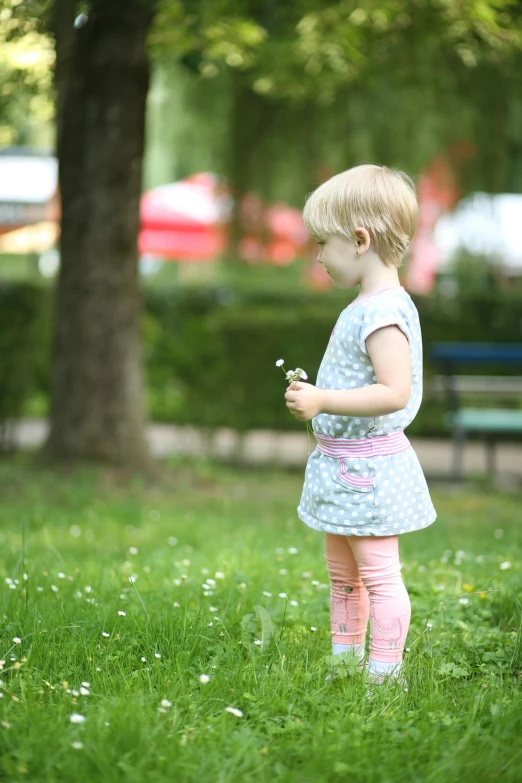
(363, 240)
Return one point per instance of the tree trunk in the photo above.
(102, 75)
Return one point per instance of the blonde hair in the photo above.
(379, 199)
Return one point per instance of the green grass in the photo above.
(72, 534)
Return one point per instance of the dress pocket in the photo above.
(354, 481)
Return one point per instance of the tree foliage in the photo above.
(26, 63)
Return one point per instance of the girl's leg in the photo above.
(380, 570)
(349, 603)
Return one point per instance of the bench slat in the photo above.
(487, 420)
(480, 384)
(471, 353)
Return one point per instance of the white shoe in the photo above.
(396, 680)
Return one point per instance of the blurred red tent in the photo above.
(188, 221)
(185, 220)
(29, 204)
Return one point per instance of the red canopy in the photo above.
(188, 221)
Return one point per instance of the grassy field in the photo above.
(117, 598)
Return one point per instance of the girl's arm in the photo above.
(389, 352)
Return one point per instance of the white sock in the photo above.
(382, 667)
(356, 649)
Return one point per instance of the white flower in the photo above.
(283, 571)
(505, 565)
(86, 684)
(173, 541)
(40, 590)
(268, 595)
(133, 550)
(104, 633)
(283, 595)
(211, 582)
(88, 589)
(61, 576)
(166, 703)
(242, 584)
(499, 533)
(460, 553)
(54, 588)
(429, 626)
(204, 678)
(313, 628)
(76, 718)
(85, 692)
(122, 614)
(186, 563)
(280, 362)
(17, 640)
(294, 603)
(176, 605)
(219, 575)
(176, 582)
(258, 642)
(463, 601)
(77, 745)
(292, 550)
(157, 655)
(234, 711)
(315, 582)
(143, 659)
(212, 608)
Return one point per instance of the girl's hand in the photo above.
(303, 400)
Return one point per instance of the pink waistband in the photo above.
(378, 446)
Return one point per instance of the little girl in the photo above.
(364, 486)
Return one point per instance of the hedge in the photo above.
(210, 352)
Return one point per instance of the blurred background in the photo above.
(154, 161)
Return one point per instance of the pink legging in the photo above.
(365, 583)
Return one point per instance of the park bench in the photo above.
(489, 423)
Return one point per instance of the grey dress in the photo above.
(364, 478)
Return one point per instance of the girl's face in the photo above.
(340, 260)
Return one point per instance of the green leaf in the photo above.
(267, 626)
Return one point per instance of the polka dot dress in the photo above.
(375, 495)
